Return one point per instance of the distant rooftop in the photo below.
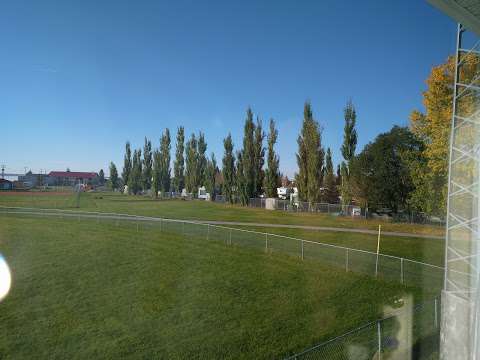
(73, 174)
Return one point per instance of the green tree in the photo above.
(113, 176)
(135, 178)
(310, 158)
(191, 170)
(331, 193)
(179, 164)
(165, 161)
(259, 159)
(348, 151)
(156, 173)
(272, 174)
(147, 165)
(211, 174)
(202, 160)
(433, 126)
(241, 181)
(246, 160)
(228, 170)
(127, 164)
(101, 177)
(381, 175)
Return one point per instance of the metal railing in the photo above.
(410, 332)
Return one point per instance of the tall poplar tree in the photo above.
(202, 159)
(211, 174)
(228, 170)
(309, 158)
(272, 174)
(191, 169)
(241, 181)
(156, 173)
(246, 159)
(113, 176)
(348, 151)
(135, 178)
(147, 165)
(179, 164)
(165, 161)
(127, 164)
(259, 158)
(329, 183)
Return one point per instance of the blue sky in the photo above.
(78, 79)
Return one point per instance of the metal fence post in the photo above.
(402, 280)
(436, 312)
(183, 228)
(379, 335)
(160, 224)
(346, 261)
(230, 241)
(266, 242)
(208, 232)
(302, 250)
(137, 225)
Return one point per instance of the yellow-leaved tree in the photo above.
(433, 126)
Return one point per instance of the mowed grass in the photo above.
(430, 251)
(201, 210)
(83, 289)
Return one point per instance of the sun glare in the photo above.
(5, 278)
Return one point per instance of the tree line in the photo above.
(402, 169)
(243, 174)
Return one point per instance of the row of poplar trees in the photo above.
(244, 174)
(191, 168)
(316, 179)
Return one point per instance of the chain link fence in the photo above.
(382, 339)
(387, 267)
(303, 206)
(411, 332)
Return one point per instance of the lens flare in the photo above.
(5, 278)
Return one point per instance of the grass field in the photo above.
(431, 251)
(199, 210)
(87, 290)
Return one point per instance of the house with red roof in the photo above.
(70, 178)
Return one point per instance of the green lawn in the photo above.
(200, 210)
(83, 289)
(431, 251)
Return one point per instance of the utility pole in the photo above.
(3, 171)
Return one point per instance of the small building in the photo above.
(6, 184)
(71, 178)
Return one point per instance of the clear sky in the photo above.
(79, 78)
